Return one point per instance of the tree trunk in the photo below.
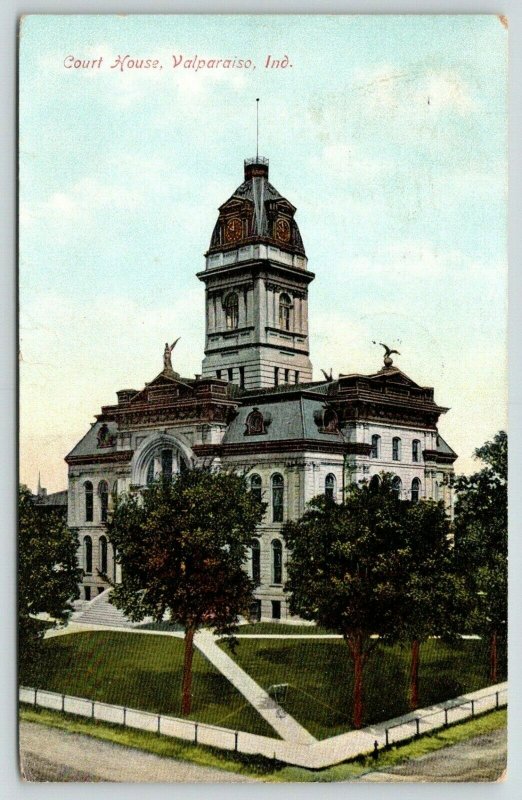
(186, 690)
(358, 664)
(493, 658)
(414, 674)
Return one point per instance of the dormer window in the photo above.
(285, 306)
(232, 311)
(255, 423)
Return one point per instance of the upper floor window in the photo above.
(164, 463)
(396, 449)
(285, 306)
(232, 311)
(256, 486)
(376, 446)
(276, 376)
(256, 561)
(415, 490)
(375, 482)
(415, 450)
(87, 554)
(277, 561)
(278, 485)
(89, 501)
(102, 543)
(103, 492)
(330, 486)
(397, 486)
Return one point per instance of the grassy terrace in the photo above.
(142, 672)
(320, 677)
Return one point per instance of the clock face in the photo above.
(282, 230)
(233, 230)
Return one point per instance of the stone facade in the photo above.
(255, 406)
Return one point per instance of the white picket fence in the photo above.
(318, 755)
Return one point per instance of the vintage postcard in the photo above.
(263, 443)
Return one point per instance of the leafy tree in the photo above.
(481, 540)
(345, 570)
(182, 545)
(434, 599)
(48, 573)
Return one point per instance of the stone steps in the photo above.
(100, 611)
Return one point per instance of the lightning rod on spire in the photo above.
(257, 128)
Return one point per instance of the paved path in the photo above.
(285, 725)
(48, 754)
(482, 758)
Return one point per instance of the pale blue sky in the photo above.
(388, 134)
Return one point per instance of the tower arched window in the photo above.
(232, 311)
(103, 492)
(376, 446)
(89, 501)
(102, 544)
(396, 449)
(285, 307)
(277, 562)
(415, 490)
(278, 488)
(256, 486)
(87, 554)
(397, 486)
(256, 561)
(330, 486)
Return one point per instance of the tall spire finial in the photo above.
(39, 487)
(257, 128)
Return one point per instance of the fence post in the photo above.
(124, 716)
(159, 722)
(472, 708)
(417, 725)
(445, 717)
(387, 740)
(496, 700)
(93, 709)
(195, 733)
(63, 703)
(35, 695)
(236, 735)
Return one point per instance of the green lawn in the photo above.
(143, 672)
(320, 677)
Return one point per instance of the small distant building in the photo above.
(255, 406)
(56, 501)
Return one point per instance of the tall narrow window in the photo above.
(276, 609)
(218, 374)
(397, 486)
(102, 543)
(415, 490)
(256, 561)
(241, 377)
(376, 446)
(232, 311)
(287, 375)
(285, 305)
(87, 554)
(256, 486)
(231, 374)
(329, 486)
(103, 492)
(89, 501)
(297, 376)
(277, 561)
(415, 451)
(396, 448)
(276, 376)
(166, 464)
(150, 472)
(277, 497)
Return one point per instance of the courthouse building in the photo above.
(255, 405)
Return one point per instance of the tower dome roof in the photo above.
(256, 212)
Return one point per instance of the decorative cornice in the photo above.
(118, 457)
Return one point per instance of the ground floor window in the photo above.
(276, 609)
(101, 589)
(255, 611)
(87, 590)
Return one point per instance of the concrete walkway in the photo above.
(285, 725)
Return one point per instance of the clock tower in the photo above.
(256, 289)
